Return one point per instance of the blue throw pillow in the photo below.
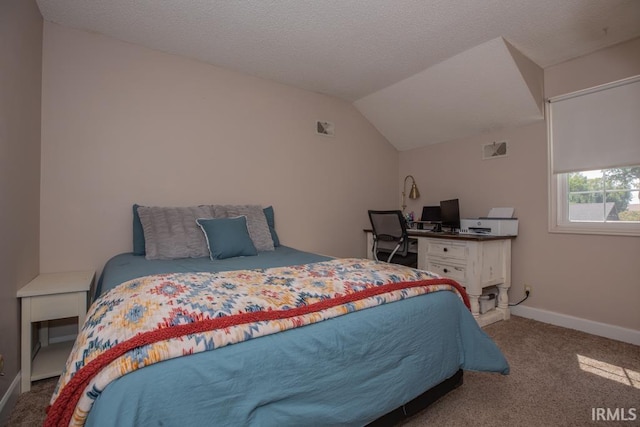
(268, 212)
(139, 247)
(227, 237)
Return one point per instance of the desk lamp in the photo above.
(413, 194)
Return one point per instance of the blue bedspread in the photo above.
(344, 371)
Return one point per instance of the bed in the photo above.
(367, 338)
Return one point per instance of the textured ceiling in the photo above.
(351, 48)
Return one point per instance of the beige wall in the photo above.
(122, 124)
(586, 276)
(20, 77)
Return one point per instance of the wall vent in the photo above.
(494, 150)
(325, 128)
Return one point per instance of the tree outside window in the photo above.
(604, 195)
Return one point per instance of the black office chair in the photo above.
(390, 239)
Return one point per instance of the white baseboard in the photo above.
(9, 400)
(618, 333)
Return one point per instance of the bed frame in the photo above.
(419, 403)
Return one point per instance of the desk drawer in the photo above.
(58, 306)
(447, 249)
(455, 272)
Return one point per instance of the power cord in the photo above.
(526, 293)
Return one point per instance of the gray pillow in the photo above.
(172, 232)
(220, 211)
(256, 223)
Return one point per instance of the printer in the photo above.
(490, 226)
(499, 222)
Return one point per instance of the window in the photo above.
(594, 160)
(600, 199)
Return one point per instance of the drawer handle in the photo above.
(445, 249)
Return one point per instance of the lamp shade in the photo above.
(414, 193)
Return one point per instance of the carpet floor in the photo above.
(559, 377)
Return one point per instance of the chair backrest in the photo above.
(389, 231)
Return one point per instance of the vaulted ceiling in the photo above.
(422, 71)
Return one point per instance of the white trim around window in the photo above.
(595, 128)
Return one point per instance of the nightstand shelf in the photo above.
(50, 360)
(50, 296)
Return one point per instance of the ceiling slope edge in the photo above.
(489, 87)
(532, 74)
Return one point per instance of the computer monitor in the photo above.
(450, 214)
(430, 214)
(430, 219)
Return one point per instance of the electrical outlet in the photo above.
(527, 289)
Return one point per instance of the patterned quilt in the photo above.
(160, 317)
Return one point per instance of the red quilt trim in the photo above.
(60, 413)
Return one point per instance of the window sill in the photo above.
(623, 230)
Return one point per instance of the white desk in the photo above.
(47, 297)
(476, 262)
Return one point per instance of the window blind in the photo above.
(596, 128)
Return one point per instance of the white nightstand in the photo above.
(47, 297)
